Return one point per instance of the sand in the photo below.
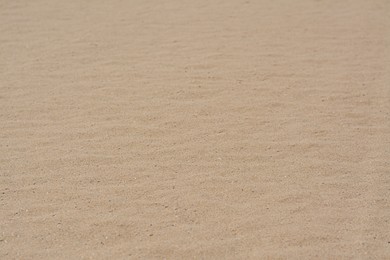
(206, 129)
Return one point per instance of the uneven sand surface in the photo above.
(207, 129)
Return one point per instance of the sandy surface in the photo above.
(206, 129)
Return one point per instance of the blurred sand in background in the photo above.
(206, 129)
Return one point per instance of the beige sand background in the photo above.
(206, 129)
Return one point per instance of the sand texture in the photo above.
(208, 129)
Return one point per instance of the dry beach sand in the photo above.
(207, 129)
